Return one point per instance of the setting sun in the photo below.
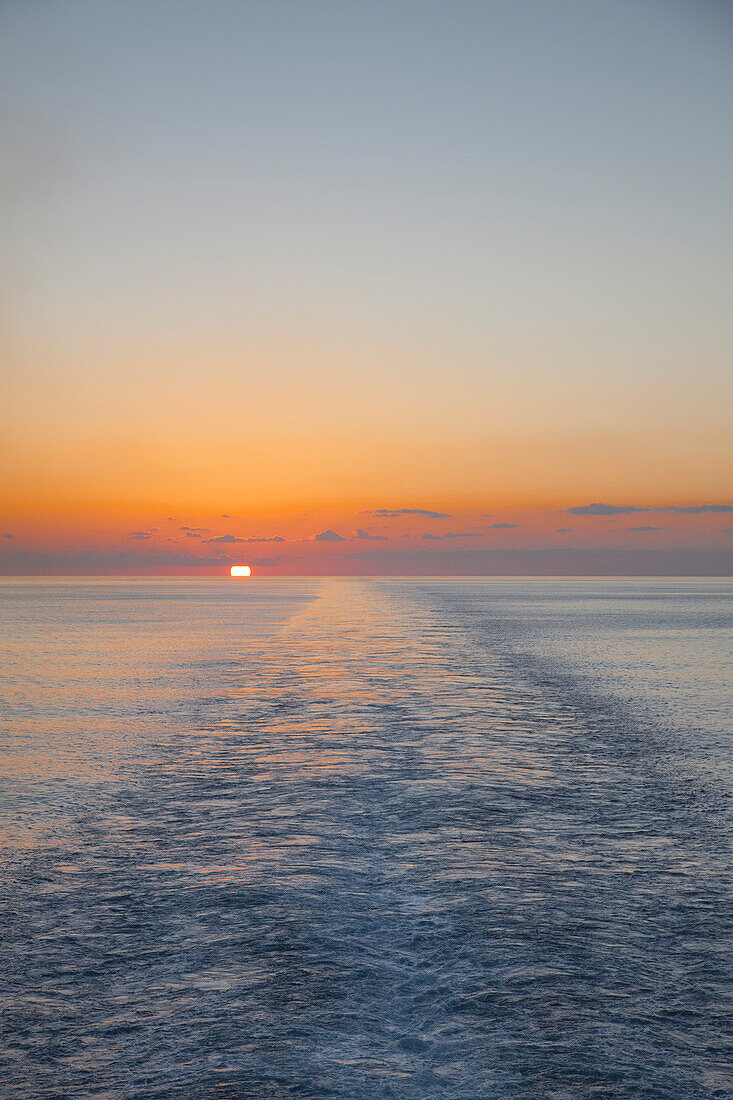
(240, 571)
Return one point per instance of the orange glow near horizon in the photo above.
(155, 428)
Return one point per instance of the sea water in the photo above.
(366, 838)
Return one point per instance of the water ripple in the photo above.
(356, 840)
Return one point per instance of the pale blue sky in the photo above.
(435, 171)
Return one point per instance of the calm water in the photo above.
(460, 839)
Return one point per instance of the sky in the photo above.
(366, 287)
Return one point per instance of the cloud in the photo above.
(452, 535)
(697, 509)
(225, 516)
(365, 535)
(192, 535)
(725, 531)
(604, 510)
(627, 509)
(639, 557)
(395, 513)
(564, 529)
(140, 535)
(265, 561)
(195, 531)
(126, 559)
(645, 528)
(495, 526)
(8, 535)
(327, 536)
(233, 538)
(634, 557)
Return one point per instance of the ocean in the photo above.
(366, 838)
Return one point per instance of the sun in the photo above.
(240, 571)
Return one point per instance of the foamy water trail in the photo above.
(358, 839)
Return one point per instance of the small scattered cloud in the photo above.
(564, 530)
(452, 535)
(233, 538)
(726, 531)
(628, 509)
(265, 562)
(195, 531)
(604, 510)
(502, 526)
(8, 535)
(365, 535)
(225, 516)
(395, 513)
(141, 536)
(327, 536)
(698, 509)
(192, 535)
(645, 528)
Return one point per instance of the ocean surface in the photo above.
(366, 838)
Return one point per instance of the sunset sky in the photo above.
(366, 287)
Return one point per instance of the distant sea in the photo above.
(465, 839)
